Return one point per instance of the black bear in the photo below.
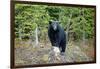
(57, 36)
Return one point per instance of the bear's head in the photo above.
(54, 25)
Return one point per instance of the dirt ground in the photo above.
(27, 53)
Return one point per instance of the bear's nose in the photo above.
(55, 27)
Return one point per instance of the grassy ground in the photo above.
(27, 53)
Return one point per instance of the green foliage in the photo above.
(28, 17)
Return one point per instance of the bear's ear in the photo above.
(50, 21)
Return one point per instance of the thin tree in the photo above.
(36, 35)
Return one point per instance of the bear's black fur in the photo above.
(57, 35)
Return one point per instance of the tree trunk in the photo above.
(68, 26)
(83, 36)
(20, 34)
(36, 35)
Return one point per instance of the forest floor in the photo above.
(27, 53)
